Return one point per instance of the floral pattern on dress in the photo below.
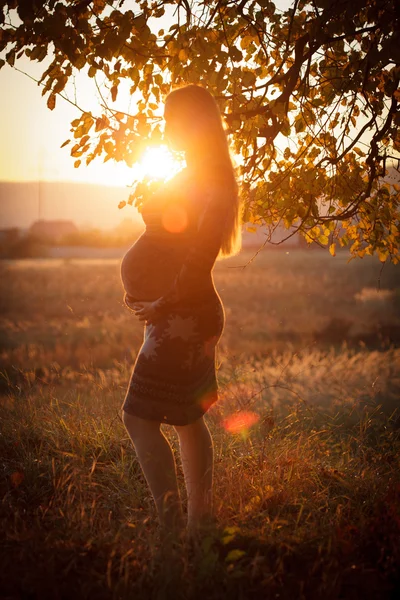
(184, 328)
(149, 348)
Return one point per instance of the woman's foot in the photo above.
(198, 529)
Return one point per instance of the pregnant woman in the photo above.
(167, 276)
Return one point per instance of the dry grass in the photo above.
(307, 496)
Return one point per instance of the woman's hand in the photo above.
(145, 311)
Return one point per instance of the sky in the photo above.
(30, 140)
(31, 134)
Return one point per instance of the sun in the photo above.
(158, 162)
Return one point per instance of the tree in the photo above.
(310, 94)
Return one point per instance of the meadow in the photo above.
(306, 435)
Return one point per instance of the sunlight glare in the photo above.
(158, 162)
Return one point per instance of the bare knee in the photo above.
(188, 429)
(137, 426)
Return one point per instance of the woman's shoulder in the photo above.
(195, 185)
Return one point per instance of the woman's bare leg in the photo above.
(197, 453)
(157, 461)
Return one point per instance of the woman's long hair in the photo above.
(196, 103)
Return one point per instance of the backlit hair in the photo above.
(196, 103)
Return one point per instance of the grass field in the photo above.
(307, 497)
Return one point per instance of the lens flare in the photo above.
(174, 218)
(208, 400)
(240, 422)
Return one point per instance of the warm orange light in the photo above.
(157, 162)
(208, 400)
(240, 422)
(174, 218)
(209, 346)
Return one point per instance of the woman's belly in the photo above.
(150, 266)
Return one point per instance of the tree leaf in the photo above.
(261, 65)
(114, 92)
(234, 555)
(51, 101)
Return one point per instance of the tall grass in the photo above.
(306, 437)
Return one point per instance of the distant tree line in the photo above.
(15, 243)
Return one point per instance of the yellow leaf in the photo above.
(234, 555)
(382, 254)
(78, 131)
(65, 143)
(182, 54)
(121, 204)
(332, 249)
(87, 124)
(75, 150)
(77, 163)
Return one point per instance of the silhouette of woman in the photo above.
(167, 275)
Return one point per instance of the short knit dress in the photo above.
(174, 376)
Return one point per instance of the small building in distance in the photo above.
(52, 230)
(9, 235)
